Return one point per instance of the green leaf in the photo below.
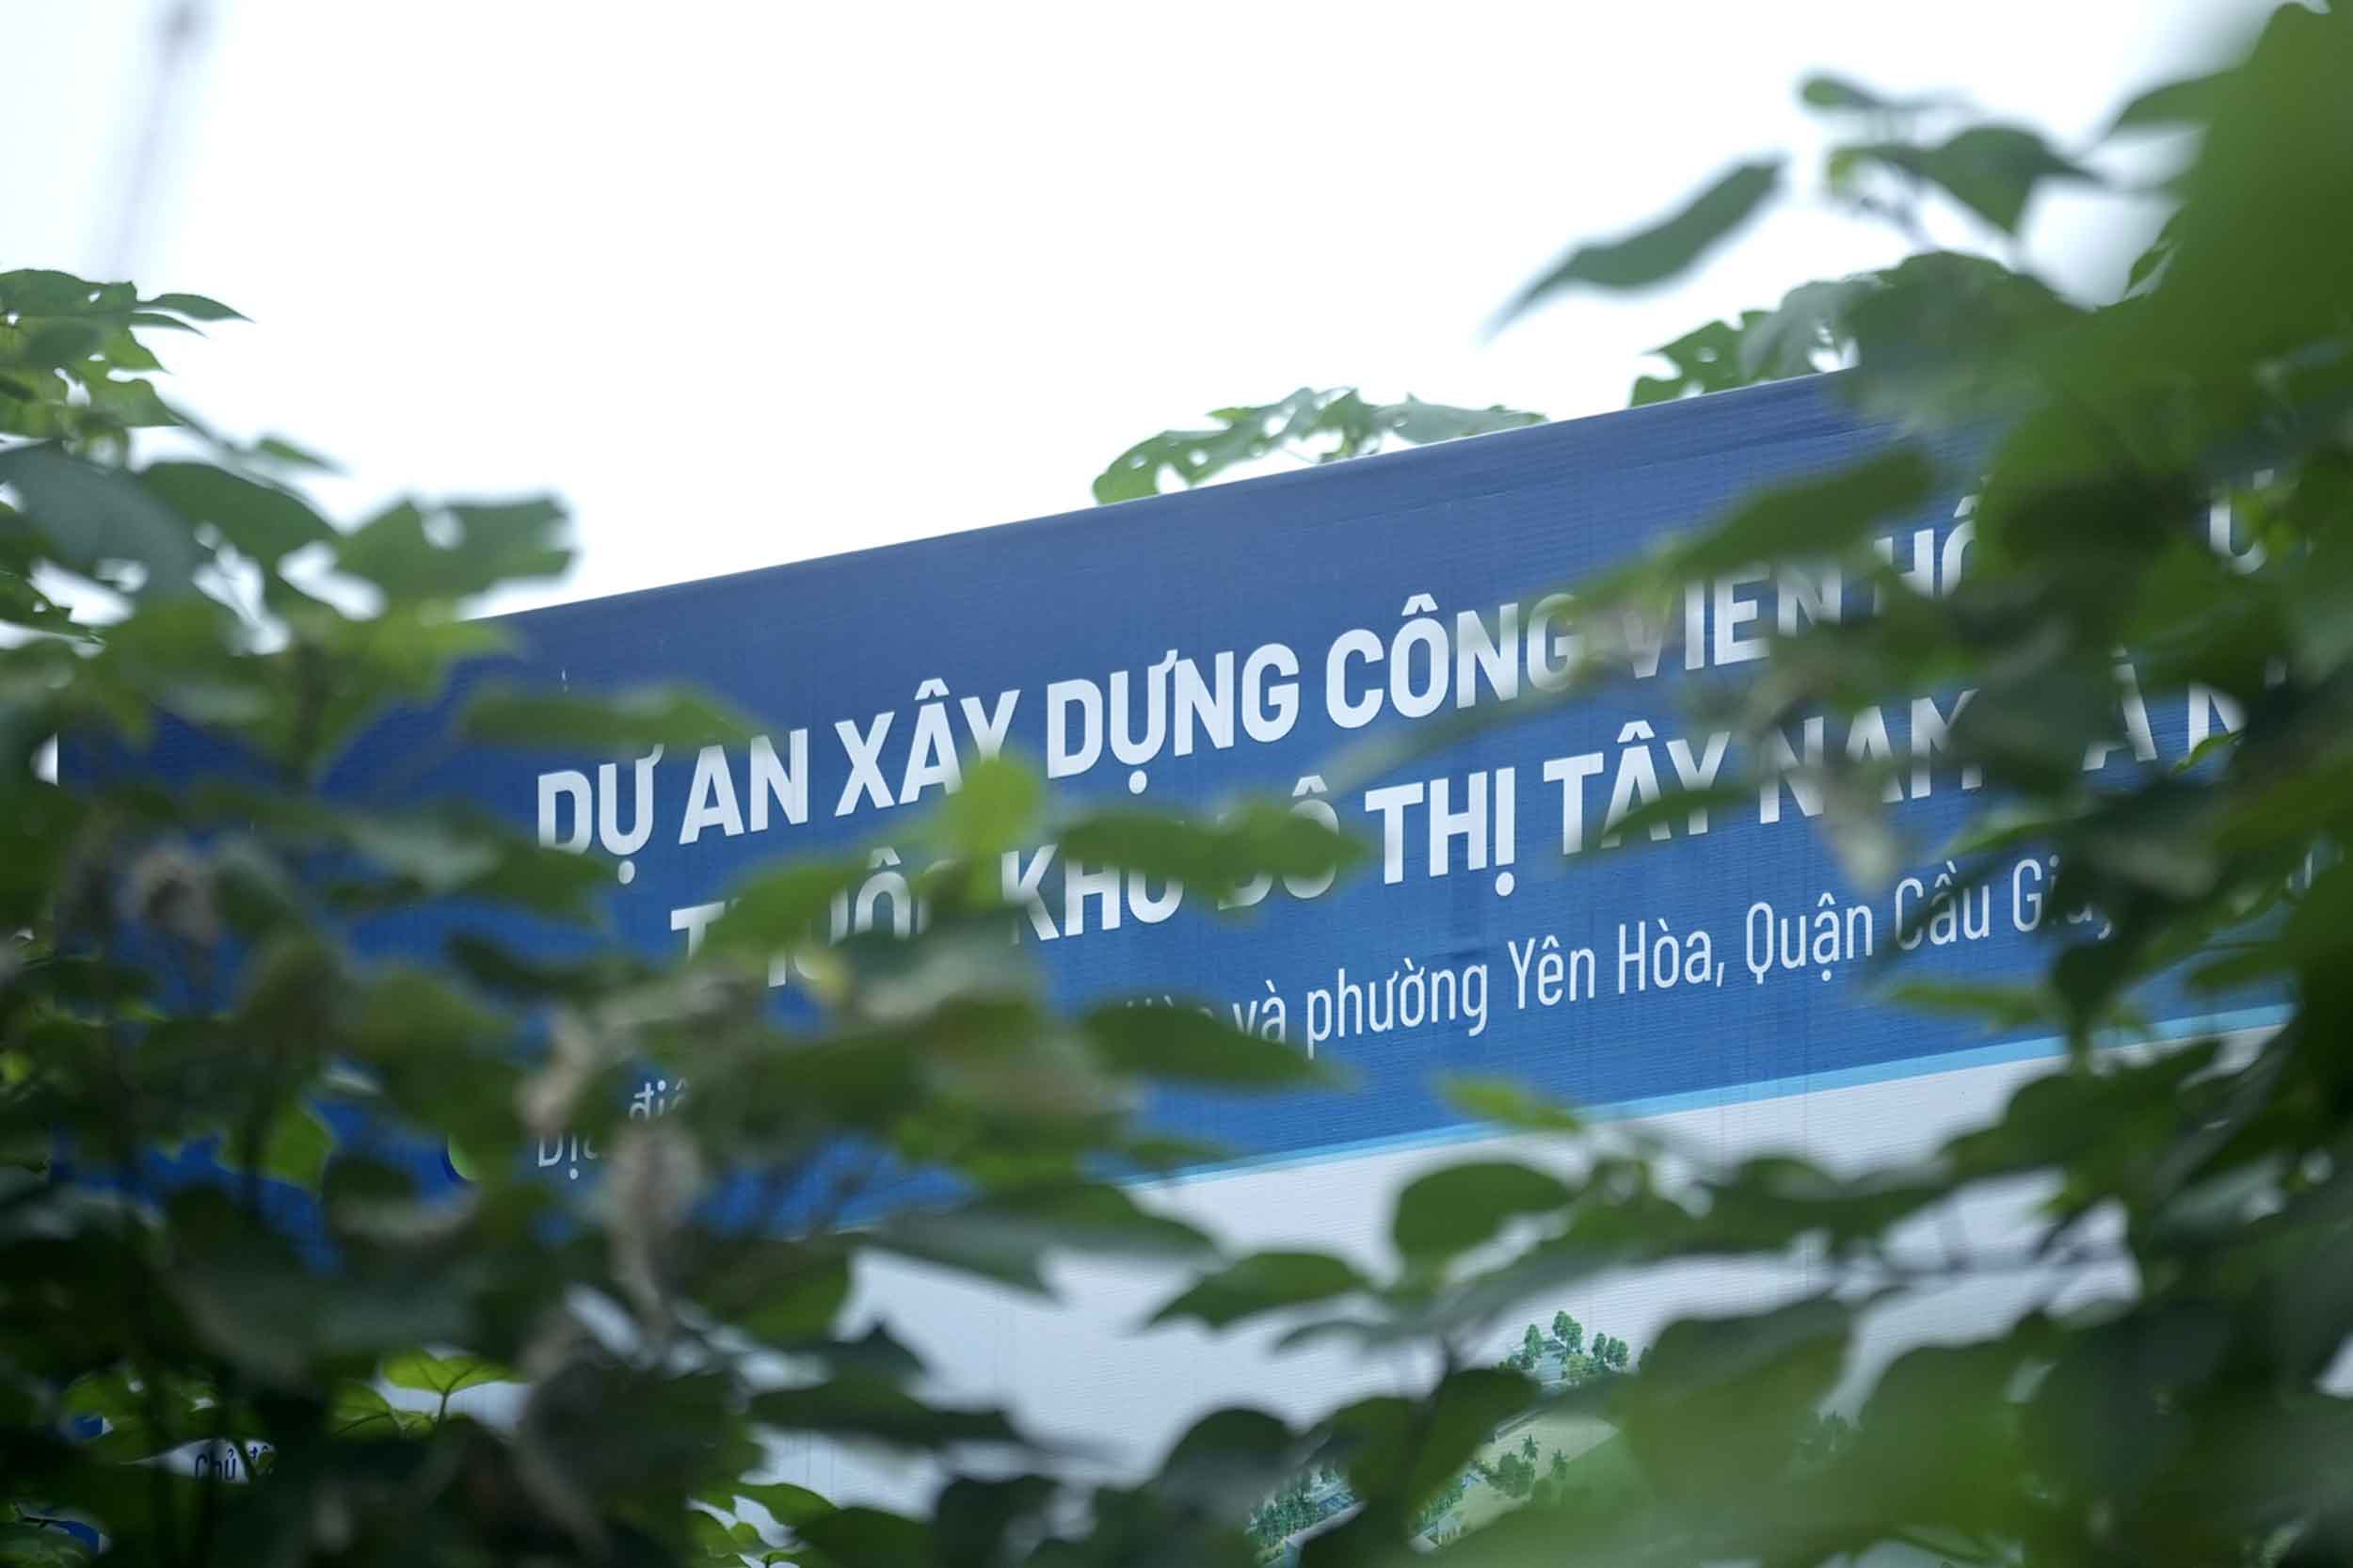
(277, 449)
(439, 852)
(262, 520)
(1508, 1104)
(1945, 338)
(2007, 1009)
(361, 1410)
(297, 1148)
(1714, 1415)
(496, 967)
(1991, 169)
(1838, 93)
(1425, 423)
(1673, 812)
(415, 1034)
(32, 1545)
(1259, 840)
(1804, 335)
(1938, 1430)
(1318, 426)
(443, 1376)
(1456, 1209)
(1705, 359)
(292, 985)
(869, 1538)
(714, 1539)
(246, 1299)
(1664, 250)
(1196, 456)
(856, 1407)
(195, 307)
(1401, 1451)
(121, 350)
(456, 850)
(2275, 162)
(782, 909)
(1262, 1283)
(626, 724)
(993, 811)
(1813, 518)
(788, 1294)
(162, 323)
(631, 1443)
(2189, 101)
(44, 292)
(134, 405)
(1792, 338)
(457, 552)
(1006, 1237)
(92, 515)
(1179, 1044)
(981, 1524)
(2128, 1379)
(111, 1397)
(789, 1505)
(56, 344)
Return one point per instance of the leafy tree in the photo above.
(1309, 425)
(2193, 1191)
(510, 1372)
(1281, 1515)
(1512, 1475)
(1569, 1332)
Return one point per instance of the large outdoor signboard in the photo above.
(1251, 639)
(1256, 638)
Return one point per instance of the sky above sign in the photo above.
(750, 284)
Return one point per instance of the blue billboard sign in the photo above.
(1245, 639)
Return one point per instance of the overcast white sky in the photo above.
(747, 283)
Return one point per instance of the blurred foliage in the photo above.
(396, 1370)
(1308, 426)
(2167, 1383)
(244, 1317)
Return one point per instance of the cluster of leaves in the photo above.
(227, 1246)
(1895, 159)
(1309, 425)
(72, 365)
(2163, 1383)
